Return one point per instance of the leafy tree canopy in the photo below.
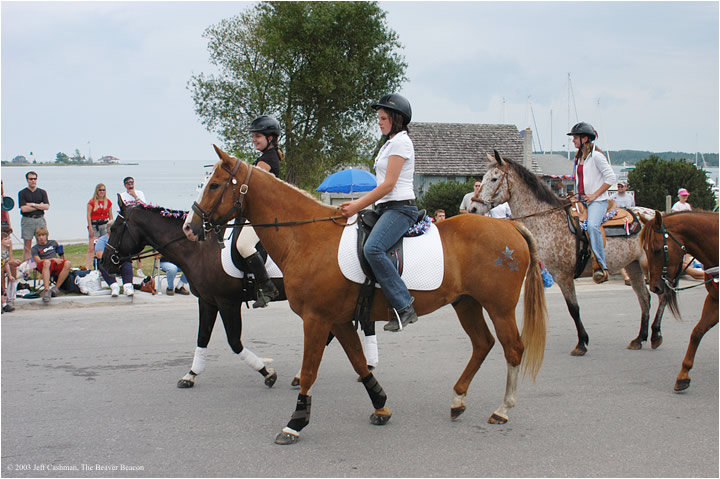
(653, 179)
(315, 66)
(62, 158)
(446, 195)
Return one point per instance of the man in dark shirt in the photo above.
(33, 202)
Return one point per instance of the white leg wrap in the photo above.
(371, 350)
(458, 400)
(198, 364)
(189, 377)
(251, 360)
(291, 431)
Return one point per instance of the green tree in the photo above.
(446, 195)
(316, 66)
(653, 179)
(62, 158)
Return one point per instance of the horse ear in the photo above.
(121, 204)
(223, 156)
(491, 159)
(498, 158)
(657, 221)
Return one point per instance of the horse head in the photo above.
(220, 198)
(664, 257)
(495, 189)
(123, 242)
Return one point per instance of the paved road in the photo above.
(88, 390)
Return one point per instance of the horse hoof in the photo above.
(455, 412)
(635, 345)
(380, 417)
(185, 384)
(681, 385)
(578, 351)
(497, 419)
(655, 343)
(284, 439)
(295, 382)
(270, 378)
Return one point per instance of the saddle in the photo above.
(365, 223)
(623, 222)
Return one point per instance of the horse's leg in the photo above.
(638, 284)
(656, 337)
(509, 337)
(470, 313)
(207, 314)
(316, 334)
(350, 342)
(567, 287)
(708, 319)
(231, 314)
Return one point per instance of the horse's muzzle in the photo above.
(193, 231)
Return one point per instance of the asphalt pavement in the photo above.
(89, 390)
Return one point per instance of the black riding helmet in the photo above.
(266, 125)
(584, 129)
(398, 103)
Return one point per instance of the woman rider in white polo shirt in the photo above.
(394, 200)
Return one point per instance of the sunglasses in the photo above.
(101, 190)
(129, 182)
(32, 179)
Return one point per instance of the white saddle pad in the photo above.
(229, 266)
(423, 265)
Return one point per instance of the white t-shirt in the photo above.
(400, 145)
(129, 200)
(500, 211)
(682, 206)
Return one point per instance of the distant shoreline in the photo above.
(25, 165)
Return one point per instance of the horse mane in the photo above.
(166, 212)
(539, 189)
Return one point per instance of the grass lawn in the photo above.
(75, 253)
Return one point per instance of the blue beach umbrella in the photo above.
(348, 181)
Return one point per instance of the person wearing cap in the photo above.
(265, 131)
(593, 177)
(394, 199)
(622, 199)
(682, 204)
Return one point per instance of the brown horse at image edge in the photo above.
(302, 236)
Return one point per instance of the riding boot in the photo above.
(600, 274)
(266, 289)
(406, 316)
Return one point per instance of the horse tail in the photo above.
(535, 315)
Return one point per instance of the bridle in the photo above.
(117, 259)
(672, 283)
(236, 210)
(505, 178)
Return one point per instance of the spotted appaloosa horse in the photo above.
(666, 240)
(302, 236)
(141, 225)
(543, 212)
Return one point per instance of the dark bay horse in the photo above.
(543, 212)
(302, 235)
(666, 240)
(141, 225)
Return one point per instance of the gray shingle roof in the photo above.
(459, 149)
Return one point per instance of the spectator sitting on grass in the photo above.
(50, 260)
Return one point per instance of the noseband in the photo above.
(115, 257)
(236, 210)
(491, 203)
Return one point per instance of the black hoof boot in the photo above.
(270, 378)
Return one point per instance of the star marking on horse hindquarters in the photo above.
(498, 261)
(508, 252)
(514, 266)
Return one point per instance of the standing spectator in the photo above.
(467, 199)
(49, 257)
(33, 202)
(171, 271)
(5, 208)
(7, 278)
(500, 211)
(99, 212)
(130, 197)
(682, 205)
(622, 198)
(126, 270)
(439, 215)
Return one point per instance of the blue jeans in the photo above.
(393, 223)
(126, 272)
(596, 210)
(171, 270)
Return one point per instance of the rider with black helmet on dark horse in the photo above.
(265, 131)
(394, 200)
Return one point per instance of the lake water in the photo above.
(172, 184)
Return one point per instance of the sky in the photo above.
(110, 78)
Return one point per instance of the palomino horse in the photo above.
(666, 240)
(302, 235)
(141, 225)
(543, 213)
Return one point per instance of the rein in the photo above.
(672, 283)
(277, 224)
